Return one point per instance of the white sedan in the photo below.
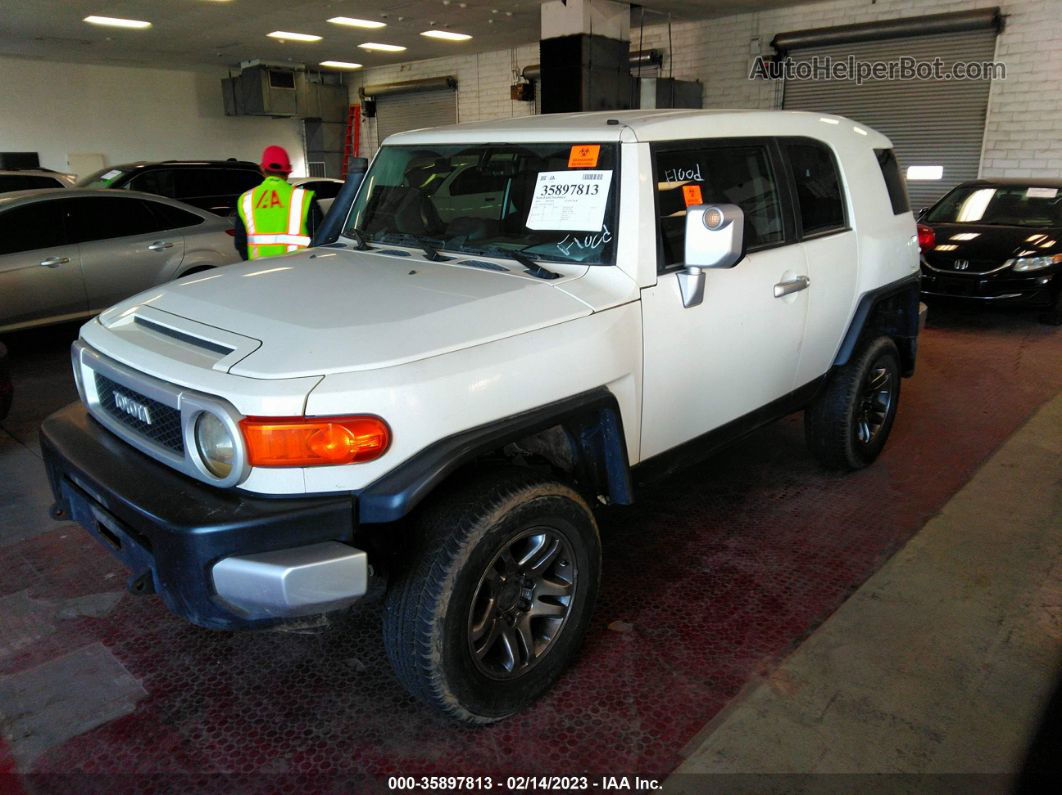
(324, 189)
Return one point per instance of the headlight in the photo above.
(216, 446)
(1022, 264)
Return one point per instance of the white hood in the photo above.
(330, 311)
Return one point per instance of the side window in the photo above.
(158, 181)
(894, 184)
(173, 217)
(195, 182)
(818, 187)
(12, 182)
(324, 189)
(474, 180)
(739, 174)
(238, 181)
(31, 226)
(105, 217)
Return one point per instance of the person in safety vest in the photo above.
(275, 218)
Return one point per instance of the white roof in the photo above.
(648, 125)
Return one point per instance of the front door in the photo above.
(40, 269)
(738, 350)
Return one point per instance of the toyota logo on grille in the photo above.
(962, 264)
(131, 407)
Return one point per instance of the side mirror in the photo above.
(715, 238)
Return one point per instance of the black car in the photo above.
(212, 185)
(996, 241)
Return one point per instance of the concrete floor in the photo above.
(757, 616)
(941, 664)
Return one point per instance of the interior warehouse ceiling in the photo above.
(197, 33)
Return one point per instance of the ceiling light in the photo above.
(340, 65)
(372, 45)
(445, 34)
(283, 34)
(117, 22)
(351, 22)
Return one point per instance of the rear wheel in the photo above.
(847, 425)
(497, 597)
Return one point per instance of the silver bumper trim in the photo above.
(293, 582)
(975, 297)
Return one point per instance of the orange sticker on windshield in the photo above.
(692, 195)
(584, 156)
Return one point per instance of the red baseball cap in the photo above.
(275, 159)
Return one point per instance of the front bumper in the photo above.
(1034, 289)
(218, 558)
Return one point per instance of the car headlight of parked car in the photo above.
(1024, 264)
(215, 444)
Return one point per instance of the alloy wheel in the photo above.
(521, 603)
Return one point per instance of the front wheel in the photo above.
(847, 425)
(497, 595)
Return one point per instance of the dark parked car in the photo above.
(212, 185)
(998, 241)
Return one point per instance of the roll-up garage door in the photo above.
(411, 111)
(932, 123)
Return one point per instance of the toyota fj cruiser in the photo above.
(436, 401)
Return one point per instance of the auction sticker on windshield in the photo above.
(570, 201)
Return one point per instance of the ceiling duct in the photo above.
(640, 58)
(264, 90)
(957, 22)
(447, 82)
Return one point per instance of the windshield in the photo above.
(103, 178)
(1010, 205)
(554, 202)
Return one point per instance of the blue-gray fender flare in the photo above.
(592, 420)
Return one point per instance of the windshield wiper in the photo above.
(429, 249)
(360, 244)
(531, 267)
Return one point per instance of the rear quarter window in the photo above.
(820, 202)
(894, 183)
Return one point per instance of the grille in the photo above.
(976, 266)
(165, 426)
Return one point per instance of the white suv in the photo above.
(437, 401)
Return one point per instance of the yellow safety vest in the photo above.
(275, 215)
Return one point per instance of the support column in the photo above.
(585, 55)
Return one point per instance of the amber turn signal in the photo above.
(314, 442)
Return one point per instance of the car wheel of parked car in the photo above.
(847, 425)
(497, 597)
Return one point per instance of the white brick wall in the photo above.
(1023, 132)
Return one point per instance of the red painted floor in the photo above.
(709, 581)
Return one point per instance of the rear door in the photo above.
(830, 247)
(125, 247)
(40, 269)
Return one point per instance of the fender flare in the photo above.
(592, 419)
(901, 322)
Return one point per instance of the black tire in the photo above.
(847, 425)
(429, 626)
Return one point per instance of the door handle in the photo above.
(159, 245)
(792, 286)
(54, 262)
